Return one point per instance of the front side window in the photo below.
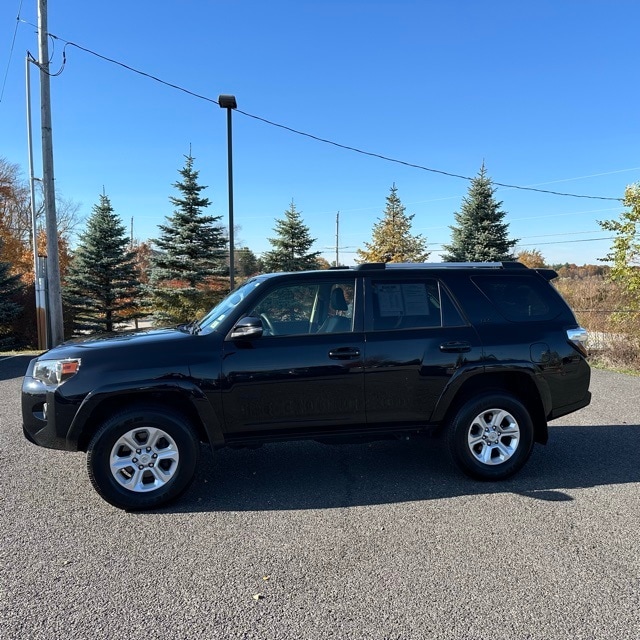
(319, 307)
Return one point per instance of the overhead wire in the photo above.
(379, 156)
(13, 42)
(418, 166)
(330, 142)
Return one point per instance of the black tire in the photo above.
(143, 457)
(491, 436)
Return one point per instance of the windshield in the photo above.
(222, 310)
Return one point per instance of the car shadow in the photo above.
(308, 475)
(13, 366)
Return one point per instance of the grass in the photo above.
(25, 352)
(606, 366)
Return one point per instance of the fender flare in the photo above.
(467, 374)
(186, 388)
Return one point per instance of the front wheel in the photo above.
(491, 437)
(142, 458)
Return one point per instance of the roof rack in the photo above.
(367, 266)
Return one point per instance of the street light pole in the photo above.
(229, 103)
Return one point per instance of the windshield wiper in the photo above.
(189, 327)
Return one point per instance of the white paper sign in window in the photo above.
(390, 300)
(409, 299)
(416, 302)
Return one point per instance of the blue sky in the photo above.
(546, 93)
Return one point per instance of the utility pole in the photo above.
(39, 275)
(54, 291)
(337, 238)
(337, 246)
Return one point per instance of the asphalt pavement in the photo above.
(307, 541)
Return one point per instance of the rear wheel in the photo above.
(491, 437)
(142, 458)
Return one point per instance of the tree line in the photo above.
(110, 279)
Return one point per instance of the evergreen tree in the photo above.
(191, 253)
(10, 309)
(392, 240)
(291, 247)
(102, 287)
(247, 264)
(480, 234)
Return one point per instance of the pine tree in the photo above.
(480, 234)
(291, 247)
(192, 252)
(392, 240)
(10, 287)
(102, 287)
(247, 263)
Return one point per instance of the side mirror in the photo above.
(247, 327)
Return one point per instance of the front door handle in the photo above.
(344, 353)
(455, 347)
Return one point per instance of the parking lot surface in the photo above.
(302, 540)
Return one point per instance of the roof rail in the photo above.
(370, 266)
(456, 265)
(444, 265)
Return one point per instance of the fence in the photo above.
(614, 336)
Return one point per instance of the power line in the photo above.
(129, 68)
(318, 138)
(418, 166)
(439, 246)
(535, 244)
(566, 233)
(13, 42)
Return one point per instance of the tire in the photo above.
(491, 437)
(143, 458)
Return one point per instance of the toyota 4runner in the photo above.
(486, 354)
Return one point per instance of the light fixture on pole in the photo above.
(229, 103)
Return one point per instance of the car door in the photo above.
(416, 340)
(305, 373)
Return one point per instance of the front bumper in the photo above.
(46, 416)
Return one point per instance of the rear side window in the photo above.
(519, 298)
(410, 304)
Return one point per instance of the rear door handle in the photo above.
(344, 353)
(455, 347)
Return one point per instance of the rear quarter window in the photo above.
(520, 298)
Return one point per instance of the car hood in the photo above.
(148, 340)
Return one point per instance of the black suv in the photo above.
(485, 353)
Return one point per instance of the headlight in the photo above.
(55, 372)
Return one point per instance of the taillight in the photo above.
(578, 337)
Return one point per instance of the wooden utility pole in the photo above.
(54, 292)
(337, 238)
